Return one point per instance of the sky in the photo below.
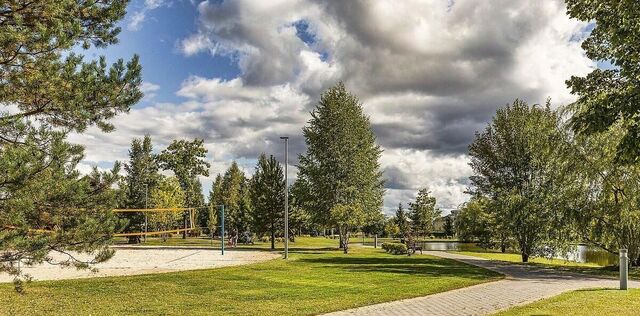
(429, 74)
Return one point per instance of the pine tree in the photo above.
(215, 201)
(235, 197)
(46, 92)
(341, 165)
(423, 212)
(142, 177)
(401, 220)
(267, 197)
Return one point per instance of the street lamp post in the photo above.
(286, 196)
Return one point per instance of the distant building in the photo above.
(438, 224)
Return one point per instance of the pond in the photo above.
(582, 253)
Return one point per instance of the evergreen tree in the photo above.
(401, 220)
(235, 197)
(142, 177)
(215, 201)
(267, 196)
(341, 165)
(423, 212)
(46, 92)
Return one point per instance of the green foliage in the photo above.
(166, 194)
(449, 227)
(609, 96)
(267, 196)
(347, 217)
(423, 213)
(476, 222)
(142, 177)
(187, 161)
(395, 248)
(234, 194)
(401, 221)
(601, 195)
(44, 96)
(513, 161)
(341, 165)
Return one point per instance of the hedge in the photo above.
(395, 248)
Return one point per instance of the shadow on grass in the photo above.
(432, 267)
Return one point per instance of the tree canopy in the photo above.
(46, 92)
(341, 164)
(610, 96)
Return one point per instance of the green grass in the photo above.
(584, 302)
(311, 282)
(558, 264)
(301, 243)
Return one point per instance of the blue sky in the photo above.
(156, 41)
(239, 74)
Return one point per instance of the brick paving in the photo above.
(522, 285)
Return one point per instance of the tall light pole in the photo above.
(286, 196)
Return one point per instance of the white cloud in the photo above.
(429, 74)
(138, 17)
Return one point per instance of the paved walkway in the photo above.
(523, 284)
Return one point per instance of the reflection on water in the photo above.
(589, 254)
(583, 253)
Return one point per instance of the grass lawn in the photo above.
(558, 264)
(301, 243)
(311, 282)
(584, 302)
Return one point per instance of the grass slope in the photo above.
(311, 282)
(583, 302)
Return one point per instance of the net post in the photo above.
(222, 229)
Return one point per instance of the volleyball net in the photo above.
(168, 220)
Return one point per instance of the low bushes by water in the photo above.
(395, 248)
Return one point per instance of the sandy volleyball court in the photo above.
(142, 261)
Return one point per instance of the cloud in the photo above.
(429, 74)
(138, 17)
(149, 89)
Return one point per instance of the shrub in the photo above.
(395, 248)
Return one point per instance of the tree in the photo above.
(142, 177)
(236, 199)
(215, 201)
(341, 164)
(46, 92)
(187, 161)
(402, 222)
(267, 197)
(475, 222)
(347, 218)
(449, 227)
(599, 194)
(512, 162)
(166, 194)
(423, 212)
(610, 96)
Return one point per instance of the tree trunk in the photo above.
(525, 257)
(503, 248)
(345, 243)
(273, 237)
